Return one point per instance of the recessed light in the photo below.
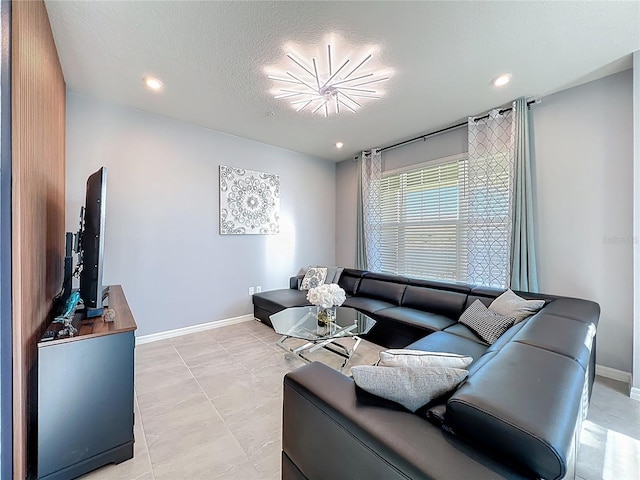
(339, 144)
(153, 83)
(501, 80)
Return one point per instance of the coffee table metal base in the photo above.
(327, 344)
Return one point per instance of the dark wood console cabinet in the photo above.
(85, 395)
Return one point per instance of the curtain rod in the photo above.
(452, 127)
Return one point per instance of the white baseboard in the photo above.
(613, 374)
(154, 337)
(635, 393)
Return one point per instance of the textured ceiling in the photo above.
(212, 58)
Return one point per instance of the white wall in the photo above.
(162, 242)
(583, 148)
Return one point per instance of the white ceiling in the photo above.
(212, 58)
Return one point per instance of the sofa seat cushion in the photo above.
(565, 336)
(365, 304)
(462, 330)
(431, 322)
(446, 342)
(277, 300)
(523, 406)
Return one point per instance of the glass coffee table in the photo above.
(302, 323)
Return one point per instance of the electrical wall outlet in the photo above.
(258, 289)
(250, 290)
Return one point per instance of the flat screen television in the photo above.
(91, 242)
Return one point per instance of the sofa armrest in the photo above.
(328, 432)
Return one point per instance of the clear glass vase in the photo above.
(326, 316)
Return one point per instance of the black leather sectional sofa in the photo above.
(517, 415)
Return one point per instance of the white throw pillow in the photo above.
(511, 305)
(411, 387)
(487, 324)
(403, 357)
(313, 278)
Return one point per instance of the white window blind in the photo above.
(424, 222)
(437, 217)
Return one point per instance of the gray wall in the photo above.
(584, 199)
(583, 170)
(162, 242)
(635, 384)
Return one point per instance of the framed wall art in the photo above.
(249, 202)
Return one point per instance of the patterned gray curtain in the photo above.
(361, 246)
(368, 241)
(524, 275)
(489, 199)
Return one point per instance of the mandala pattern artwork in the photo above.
(249, 202)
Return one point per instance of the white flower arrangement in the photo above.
(327, 295)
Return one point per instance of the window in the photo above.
(439, 224)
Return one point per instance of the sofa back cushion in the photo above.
(389, 288)
(443, 302)
(349, 280)
(506, 409)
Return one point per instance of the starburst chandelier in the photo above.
(318, 86)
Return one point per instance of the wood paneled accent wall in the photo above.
(38, 201)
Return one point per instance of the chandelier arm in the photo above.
(371, 81)
(310, 99)
(303, 106)
(290, 94)
(303, 83)
(350, 99)
(350, 88)
(318, 107)
(337, 72)
(361, 95)
(340, 101)
(299, 64)
(359, 65)
(353, 79)
(315, 69)
(283, 79)
(297, 91)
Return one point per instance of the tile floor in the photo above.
(209, 406)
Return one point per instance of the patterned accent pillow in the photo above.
(313, 278)
(511, 305)
(488, 325)
(411, 387)
(417, 358)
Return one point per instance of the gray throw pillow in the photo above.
(488, 325)
(417, 358)
(337, 273)
(411, 387)
(511, 305)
